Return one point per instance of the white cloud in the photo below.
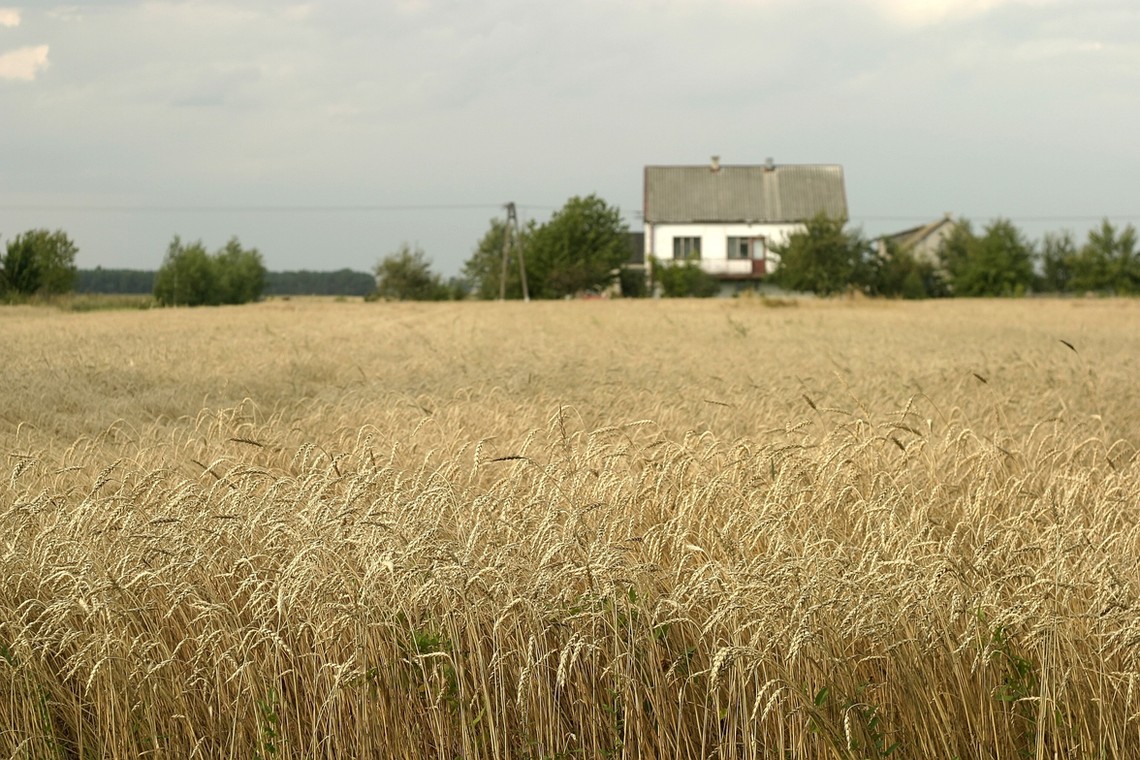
(926, 12)
(68, 13)
(1039, 50)
(9, 17)
(23, 63)
(300, 12)
(220, 16)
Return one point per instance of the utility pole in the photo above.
(512, 230)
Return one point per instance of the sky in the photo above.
(326, 134)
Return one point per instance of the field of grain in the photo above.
(731, 529)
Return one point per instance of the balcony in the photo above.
(729, 268)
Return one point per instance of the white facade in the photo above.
(714, 246)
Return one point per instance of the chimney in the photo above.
(769, 163)
(715, 166)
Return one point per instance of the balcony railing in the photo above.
(728, 267)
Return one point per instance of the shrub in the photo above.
(685, 279)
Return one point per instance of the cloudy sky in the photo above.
(327, 133)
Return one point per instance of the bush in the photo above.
(406, 275)
(633, 282)
(685, 280)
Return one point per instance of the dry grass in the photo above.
(640, 529)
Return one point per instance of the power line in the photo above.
(349, 208)
(254, 209)
(1012, 217)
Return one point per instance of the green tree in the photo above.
(191, 276)
(1107, 261)
(897, 272)
(1126, 262)
(999, 263)
(39, 262)
(240, 273)
(485, 267)
(822, 258)
(578, 250)
(684, 279)
(406, 275)
(1058, 252)
(187, 276)
(19, 270)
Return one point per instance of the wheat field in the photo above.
(641, 529)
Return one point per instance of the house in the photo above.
(730, 218)
(923, 241)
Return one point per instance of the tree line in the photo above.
(585, 247)
(304, 282)
(999, 260)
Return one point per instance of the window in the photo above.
(746, 248)
(684, 247)
(738, 248)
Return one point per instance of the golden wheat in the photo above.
(628, 529)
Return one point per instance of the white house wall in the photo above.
(714, 243)
(927, 249)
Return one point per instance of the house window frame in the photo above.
(754, 247)
(686, 245)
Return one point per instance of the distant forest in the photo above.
(343, 282)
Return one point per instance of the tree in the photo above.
(999, 263)
(684, 279)
(1125, 260)
(241, 275)
(191, 276)
(578, 250)
(1058, 251)
(1107, 261)
(187, 276)
(822, 258)
(39, 262)
(485, 267)
(897, 272)
(20, 270)
(406, 275)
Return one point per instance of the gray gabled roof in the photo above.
(917, 235)
(765, 194)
